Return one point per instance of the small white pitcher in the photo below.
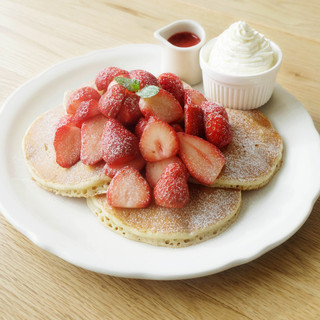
(182, 61)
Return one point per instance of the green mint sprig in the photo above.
(133, 85)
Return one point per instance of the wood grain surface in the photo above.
(34, 284)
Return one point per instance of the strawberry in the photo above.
(172, 190)
(177, 127)
(193, 120)
(140, 126)
(158, 141)
(67, 143)
(193, 97)
(217, 128)
(112, 100)
(173, 84)
(128, 189)
(137, 163)
(144, 77)
(155, 169)
(163, 105)
(208, 106)
(113, 82)
(203, 160)
(119, 145)
(91, 133)
(129, 113)
(80, 95)
(66, 119)
(86, 110)
(106, 75)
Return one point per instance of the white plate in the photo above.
(68, 229)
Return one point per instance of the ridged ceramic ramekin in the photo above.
(243, 92)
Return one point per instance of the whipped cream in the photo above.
(241, 50)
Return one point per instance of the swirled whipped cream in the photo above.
(241, 50)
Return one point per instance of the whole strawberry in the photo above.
(216, 122)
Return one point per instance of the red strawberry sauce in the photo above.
(184, 39)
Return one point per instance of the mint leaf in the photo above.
(129, 84)
(148, 91)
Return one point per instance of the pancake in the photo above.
(255, 153)
(78, 181)
(209, 212)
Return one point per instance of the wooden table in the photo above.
(34, 284)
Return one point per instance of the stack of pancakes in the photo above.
(252, 158)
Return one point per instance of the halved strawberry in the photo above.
(193, 97)
(137, 163)
(208, 106)
(66, 119)
(173, 84)
(140, 126)
(203, 160)
(216, 122)
(128, 189)
(144, 78)
(158, 141)
(106, 75)
(130, 113)
(155, 169)
(119, 145)
(193, 120)
(111, 101)
(172, 190)
(163, 105)
(67, 143)
(91, 133)
(86, 110)
(177, 127)
(78, 96)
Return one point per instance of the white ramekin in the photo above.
(243, 92)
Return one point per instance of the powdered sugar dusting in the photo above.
(207, 207)
(255, 148)
(118, 143)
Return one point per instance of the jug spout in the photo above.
(182, 58)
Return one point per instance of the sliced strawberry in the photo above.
(158, 141)
(193, 97)
(129, 113)
(163, 105)
(208, 106)
(106, 75)
(86, 110)
(173, 84)
(112, 100)
(155, 169)
(144, 77)
(80, 95)
(193, 120)
(128, 189)
(217, 128)
(91, 133)
(67, 144)
(140, 127)
(66, 119)
(177, 127)
(172, 190)
(119, 145)
(203, 160)
(137, 163)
